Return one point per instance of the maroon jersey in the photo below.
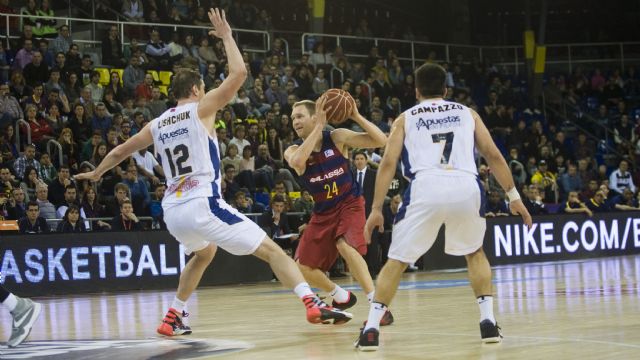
(328, 176)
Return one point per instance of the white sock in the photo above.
(486, 308)
(376, 311)
(340, 295)
(178, 304)
(10, 302)
(370, 296)
(303, 289)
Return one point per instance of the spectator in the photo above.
(133, 75)
(73, 60)
(33, 223)
(320, 84)
(79, 125)
(621, 179)
(157, 105)
(155, 207)
(239, 139)
(138, 189)
(304, 203)
(112, 54)
(7, 183)
(275, 223)
(496, 206)
(72, 88)
(10, 109)
(99, 153)
(275, 145)
(275, 94)
(58, 187)
(86, 71)
(47, 209)
(29, 183)
(72, 221)
(546, 181)
(97, 91)
(27, 159)
(232, 157)
(133, 10)
(70, 199)
(377, 119)
(101, 120)
(36, 72)
(45, 24)
(86, 100)
(597, 203)
(230, 186)
(573, 205)
(93, 208)
(54, 83)
(145, 89)
(625, 202)
(148, 166)
(63, 42)
(114, 108)
(571, 181)
(48, 173)
(157, 52)
(127, 219)
(533, 201)
(17, 208)
(24, 56)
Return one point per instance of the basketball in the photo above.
(339, 105)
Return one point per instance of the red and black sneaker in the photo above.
(319, 312)
(368, 340)
(172, 324)
(387, 318)
(347, 304)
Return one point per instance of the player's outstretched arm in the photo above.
(219, 97)
(386, 171)
(297, 156)
(139, 141)
(371, 138)
(499, 168)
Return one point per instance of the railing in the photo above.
(17, 132)
(240, 35)
(51, 143)
(335, 68)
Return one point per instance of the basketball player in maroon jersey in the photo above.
(338, 218)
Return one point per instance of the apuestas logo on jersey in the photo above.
(443, 123)
(158, 348)
(173, 135)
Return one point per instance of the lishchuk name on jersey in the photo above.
(174, 135)
(173, 119)
(439, 108)
(327, 176)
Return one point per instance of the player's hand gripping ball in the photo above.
(339, 105)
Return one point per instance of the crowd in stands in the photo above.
(58, 93)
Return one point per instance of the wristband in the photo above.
(513, 194)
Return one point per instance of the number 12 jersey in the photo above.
(189, 156)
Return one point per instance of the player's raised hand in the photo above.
(221, 27)
(517, 208)
(320, 116)
(91, 175)
(375, 220)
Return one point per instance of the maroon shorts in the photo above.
(317, 248)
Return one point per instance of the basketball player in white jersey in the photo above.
(436, 140)
(194, 210)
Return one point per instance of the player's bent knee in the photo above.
(478, 252)
(207, 254)
(268, 250)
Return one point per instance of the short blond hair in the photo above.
(310, 105)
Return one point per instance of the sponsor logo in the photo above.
(125, 349)
(173, 119)
(327, 176)
(443, 123)
(433, 109)
(328, 153)
(183, 186)
(173, 135)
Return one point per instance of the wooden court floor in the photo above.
(586, 309)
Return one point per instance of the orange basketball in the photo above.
(339, 104)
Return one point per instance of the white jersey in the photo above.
(439, 140)
(188, 154)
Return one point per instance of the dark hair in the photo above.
(277, 198)
(229, 166)
(70, 209)
(70, 186)
(33, 203)
(430, 80)
(183, 81)
(360, 152)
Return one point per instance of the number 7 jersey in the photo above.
(439, 139)
(189, 156)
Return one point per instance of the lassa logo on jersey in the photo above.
(327, 176)
(444, 123)
(174, 135)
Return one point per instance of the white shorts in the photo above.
(429, 202)
(201, 221)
